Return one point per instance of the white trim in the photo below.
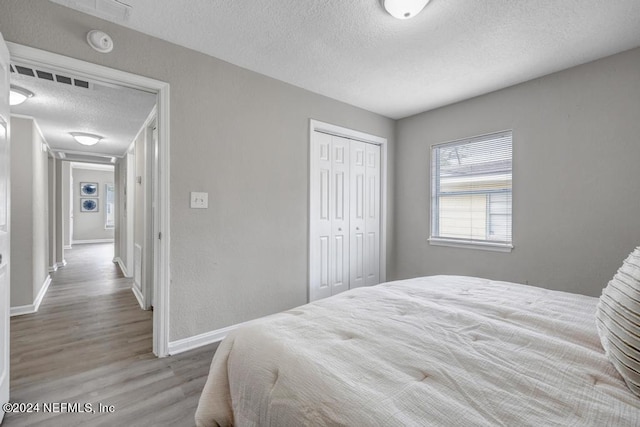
(161, 301)
(42, 293)
(139, 296)
(93, 166)
(486, 246)
(55, 62)
(123, 268)
(56, 266)
(32, 308)
(85, 242)
(84, 153)
(21, 310)
(68, 246)
(186, 344)
(315, 125)
(319, 126)
(147, 122)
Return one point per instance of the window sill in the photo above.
(465, 244)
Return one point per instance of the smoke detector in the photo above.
(100, 41)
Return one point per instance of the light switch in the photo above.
(199, 200)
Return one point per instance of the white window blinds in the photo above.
(471, 190)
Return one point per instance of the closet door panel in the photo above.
(320, 263)
(339, 214)
(358, 211)
(372, 214)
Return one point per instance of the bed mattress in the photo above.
(437, 351)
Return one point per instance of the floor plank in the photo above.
(91, 343)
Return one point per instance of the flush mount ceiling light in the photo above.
(86, 138)
(18, 95)
(404, 9)
(100, 41)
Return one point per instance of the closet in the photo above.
(344, 206)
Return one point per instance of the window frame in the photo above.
(434, 205)
(109, 188)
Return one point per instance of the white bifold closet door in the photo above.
(344, 215)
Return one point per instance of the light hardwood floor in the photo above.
(91, 343)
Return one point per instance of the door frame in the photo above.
(335, 130)
(112, 76)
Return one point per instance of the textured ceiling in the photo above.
(355, 52)
(115, 113)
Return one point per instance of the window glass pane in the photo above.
(471, 189)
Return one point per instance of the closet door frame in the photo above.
(327, 128)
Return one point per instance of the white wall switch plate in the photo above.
(199, 200)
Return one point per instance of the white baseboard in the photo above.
(84, 242)
(42, 293)
(32, 308)
(57, 265)
(191, 343)
(139, 296)
(22, 309)
(68, 247)
(123, 268)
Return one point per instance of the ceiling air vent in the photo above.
(47, 75)
(63, 79)
(44, 75)
(25, 71)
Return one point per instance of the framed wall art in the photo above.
(89, 189)
(89, 205)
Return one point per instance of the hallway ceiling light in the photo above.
(404, 9)
(86, 138)
(18, 95)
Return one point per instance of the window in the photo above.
(109, 204)
(471, 192)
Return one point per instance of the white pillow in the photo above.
(618, 320)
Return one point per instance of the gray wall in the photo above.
(576, 181)
(90, 225)
(29, 212)
(241, 137)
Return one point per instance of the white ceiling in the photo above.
(115, 113)
(353, 51)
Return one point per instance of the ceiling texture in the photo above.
(355, 52)
(63, 105)
(351, 51)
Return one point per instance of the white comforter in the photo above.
(433, 351)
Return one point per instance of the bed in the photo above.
(437, 351)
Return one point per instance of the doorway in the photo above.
(159, 218)
(347, 209)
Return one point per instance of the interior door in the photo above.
(4, 224)
(339, 217)
(372, 214)
(151, 220)
(320, 223)
(358, 211)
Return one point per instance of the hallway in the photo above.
(91, 343)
